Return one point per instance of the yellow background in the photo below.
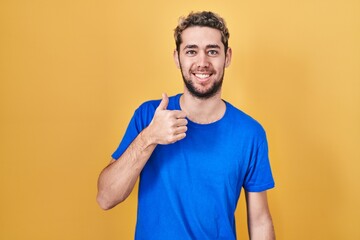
(72, 73)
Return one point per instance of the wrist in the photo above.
(147, 138)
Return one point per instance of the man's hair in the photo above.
(202, 19)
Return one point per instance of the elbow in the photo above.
(106, 204)
(103, 204)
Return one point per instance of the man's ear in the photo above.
(228, 56)
(176, 58)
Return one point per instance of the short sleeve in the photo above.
(259, 175)
(140, 120)
(131, 133)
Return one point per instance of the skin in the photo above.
(202, 53)
(202, 61)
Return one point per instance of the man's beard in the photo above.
(214, 89)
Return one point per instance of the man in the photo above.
(194, 152)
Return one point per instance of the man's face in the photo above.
(202, 61)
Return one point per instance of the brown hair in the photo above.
(202, 19)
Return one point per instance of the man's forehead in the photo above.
(201, 37)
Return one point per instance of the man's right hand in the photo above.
(167, 126)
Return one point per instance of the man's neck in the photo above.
(203, 111)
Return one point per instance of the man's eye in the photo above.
(213, 52)
(190, 52)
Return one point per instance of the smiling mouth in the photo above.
(202, 76)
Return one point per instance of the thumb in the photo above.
(164, 102)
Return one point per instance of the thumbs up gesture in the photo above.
(164, 102)
(167, 126)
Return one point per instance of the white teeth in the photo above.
(201, 75)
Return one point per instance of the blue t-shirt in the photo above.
(190, 189)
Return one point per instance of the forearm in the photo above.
(118, 179)
(259, 218)
(263, 230)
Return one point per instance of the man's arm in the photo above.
(118, 179)
(260, 224)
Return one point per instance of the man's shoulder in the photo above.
(241, 118)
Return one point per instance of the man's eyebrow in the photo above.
(194, 46)
(191, 46)
(212, 46)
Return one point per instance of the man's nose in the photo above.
(202, 60)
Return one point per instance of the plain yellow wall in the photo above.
(72, 73)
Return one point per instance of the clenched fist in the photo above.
(167, 126)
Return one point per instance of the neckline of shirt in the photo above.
(200, 125)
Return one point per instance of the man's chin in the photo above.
(205, 91)
(203, 94)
